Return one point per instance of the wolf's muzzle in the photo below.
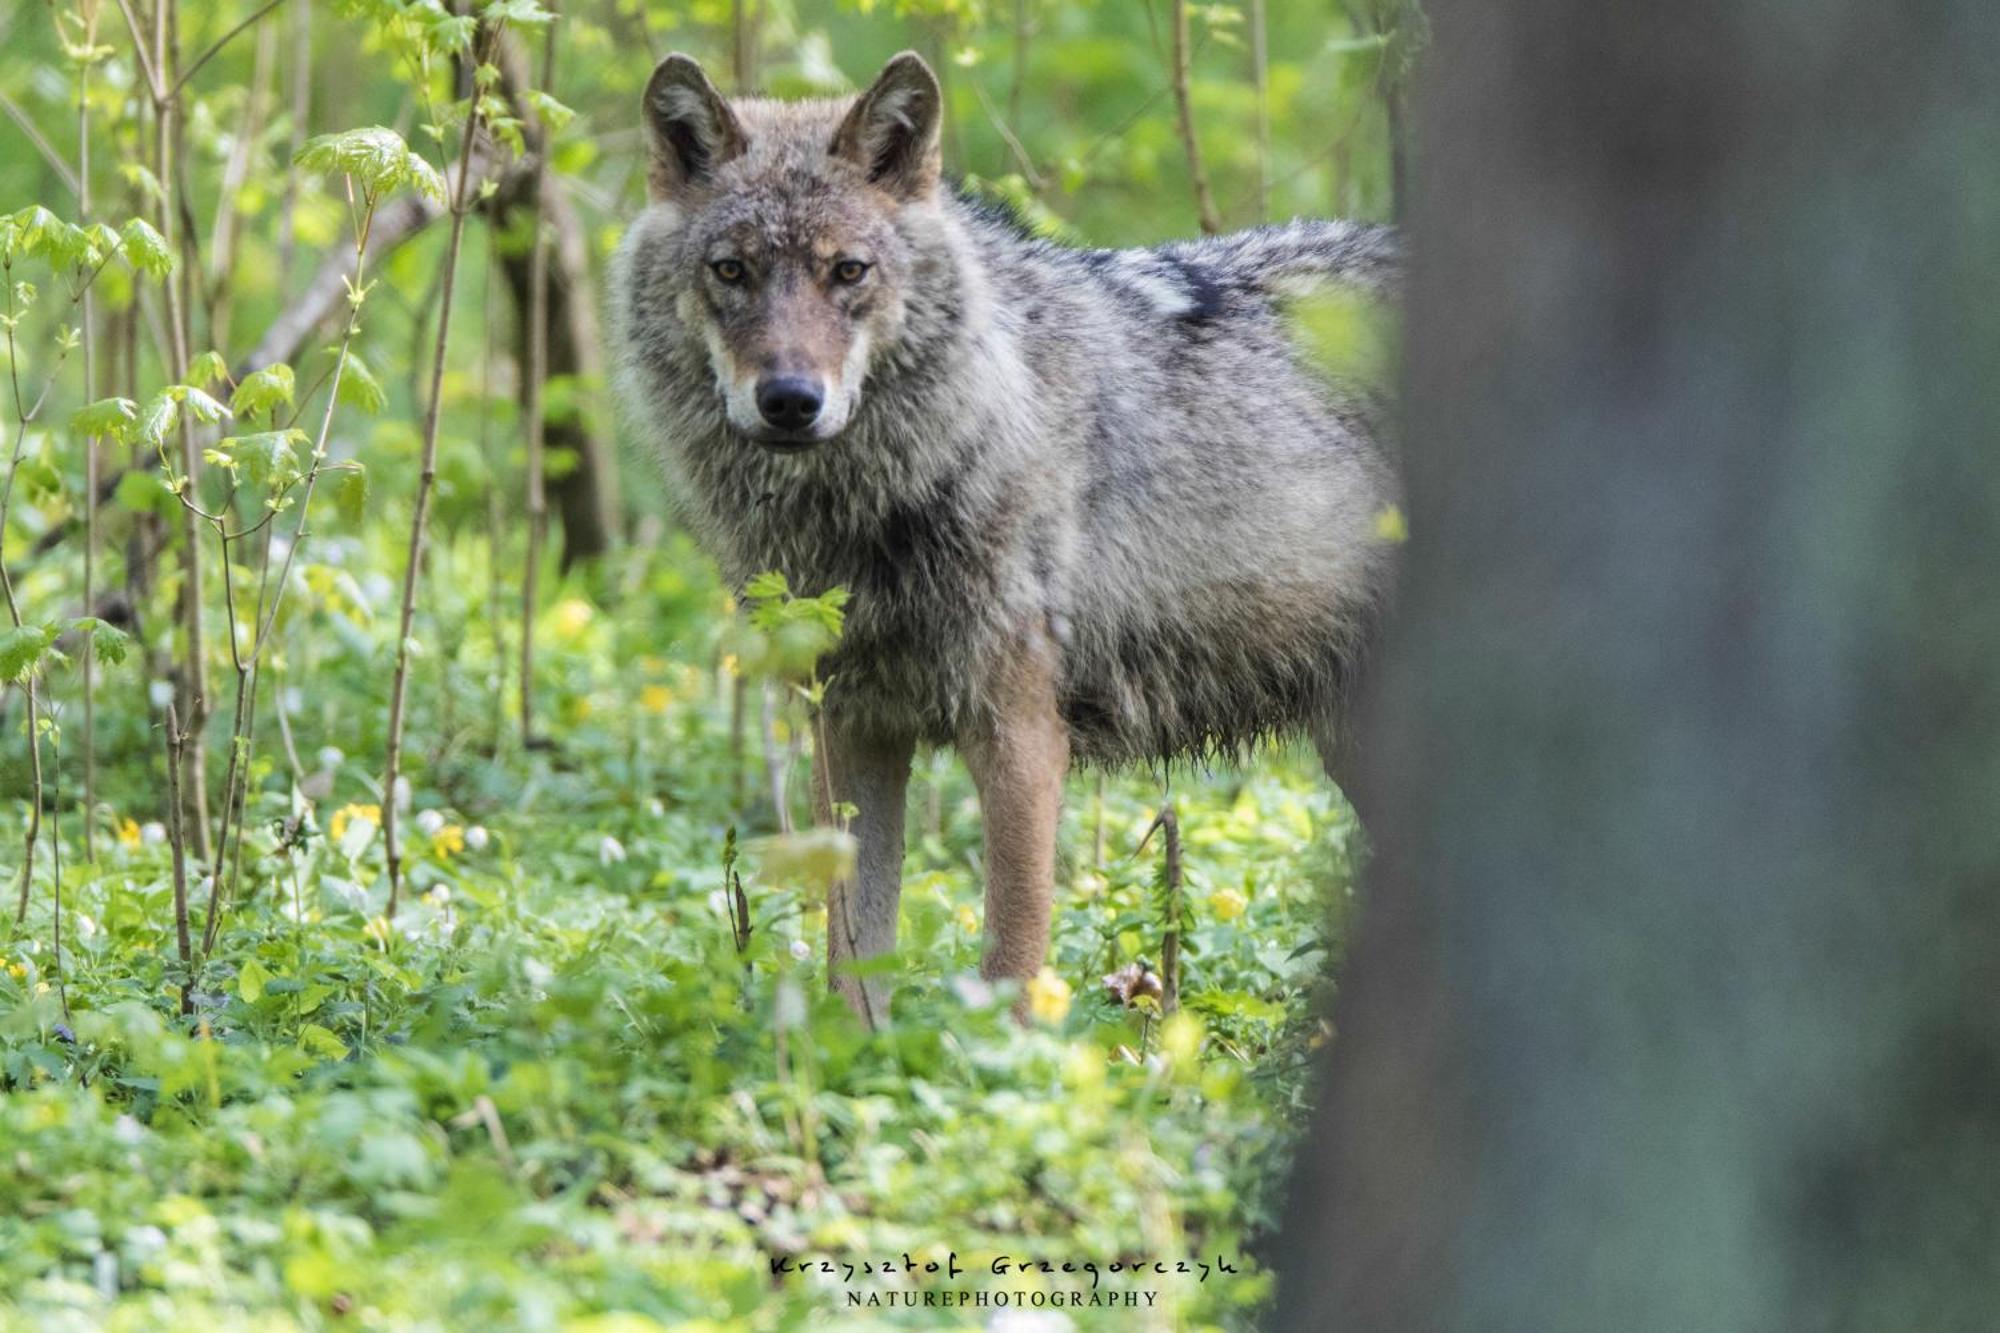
(790, 403)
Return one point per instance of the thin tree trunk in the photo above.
(536, 334)
(582, 498)
(743, 44)
(193, 685)
(301, 82)
(90, 483)
(177, 840)
(419, 521)
(222, 234)
(777, 764)
(1260, 82)
(1204, 199)
(1017, 81)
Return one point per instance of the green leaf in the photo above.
(32, 231)
(359, 388)
(520, 13)
(316, 1040)
(199, 405)
(110, 641)
(158, 418)
(67, 246)
(112, 417)
(350, 496)
(453, 34)
(22, 648)
(268, 458)
(146, 249)
(763, 587)
(250, 981)
(553, 114)
(208, 368)
(263, 391)
(375, 157)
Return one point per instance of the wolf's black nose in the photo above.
(789, 402)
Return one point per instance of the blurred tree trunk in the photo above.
(583, 495)
(1676, 1000)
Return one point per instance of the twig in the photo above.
(775, 768)
(177, 837)
(742, 44)
(220, 42)
(396, 221)
(1170, 945)
(1007, 136)
(47, 150)
(426, 482)
(55, 865)
(301, 76)
(146, 70)
(538, 373)
(90, 482)
(194, 681)
(1211, 222)
(1260, 78)
(1017, 83)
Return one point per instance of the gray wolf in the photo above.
(1089, 505)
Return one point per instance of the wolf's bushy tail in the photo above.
(1286, 258)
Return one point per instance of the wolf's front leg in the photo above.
(872, 774)
(1018, 751)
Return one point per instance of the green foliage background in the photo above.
(554, 1091)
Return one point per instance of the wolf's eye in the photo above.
(728, 270)
(849, 271)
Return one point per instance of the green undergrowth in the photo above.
(554, 1093)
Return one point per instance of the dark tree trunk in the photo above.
(1676, 1000)
(582, 495)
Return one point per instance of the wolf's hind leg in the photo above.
(1328, 737)
(872, 774)
(1019, 753)
(1333, 740)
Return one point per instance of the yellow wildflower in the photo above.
(449, 839)
(968, 920)
(573, 616)
(1048, 996)
(379, 930)
(17, 971)
(1180, 1037)
(128, 833)
(341, 817)
(1390, 525)
(1227, 904)
(655, 698)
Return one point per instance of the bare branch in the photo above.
(220, 42)
(43, 146)
(1211, 221)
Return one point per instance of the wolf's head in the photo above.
(773, 235)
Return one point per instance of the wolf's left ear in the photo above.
(892, 132)
(690, 128)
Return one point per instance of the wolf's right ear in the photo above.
(892, 132)
(690, 129)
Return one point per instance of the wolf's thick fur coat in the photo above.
(1109, 465)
